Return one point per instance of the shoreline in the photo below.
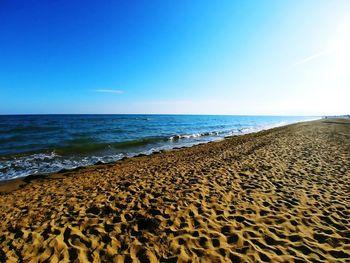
(23, 179)
(280, 194)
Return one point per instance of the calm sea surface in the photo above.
(31, 144)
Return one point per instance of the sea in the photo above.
(41, 144)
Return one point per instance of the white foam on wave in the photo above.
(194, 135)
(47, 163)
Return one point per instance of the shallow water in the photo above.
(31, 144)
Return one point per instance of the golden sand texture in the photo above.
(281, 195)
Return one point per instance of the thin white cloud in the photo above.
(310, 58)
(115, 91)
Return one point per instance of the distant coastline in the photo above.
(337, 117)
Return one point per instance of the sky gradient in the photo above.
(188, 57)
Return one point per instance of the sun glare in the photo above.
(341, 48)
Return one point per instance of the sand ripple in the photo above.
(276, 196)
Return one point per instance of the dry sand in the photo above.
(281, 195)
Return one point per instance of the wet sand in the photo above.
(281, 195)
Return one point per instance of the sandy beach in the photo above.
(280, 195)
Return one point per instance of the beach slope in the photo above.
(280, 195)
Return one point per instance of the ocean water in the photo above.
(36, 144)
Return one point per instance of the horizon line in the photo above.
(197, 114)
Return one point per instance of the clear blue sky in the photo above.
(206, 57)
